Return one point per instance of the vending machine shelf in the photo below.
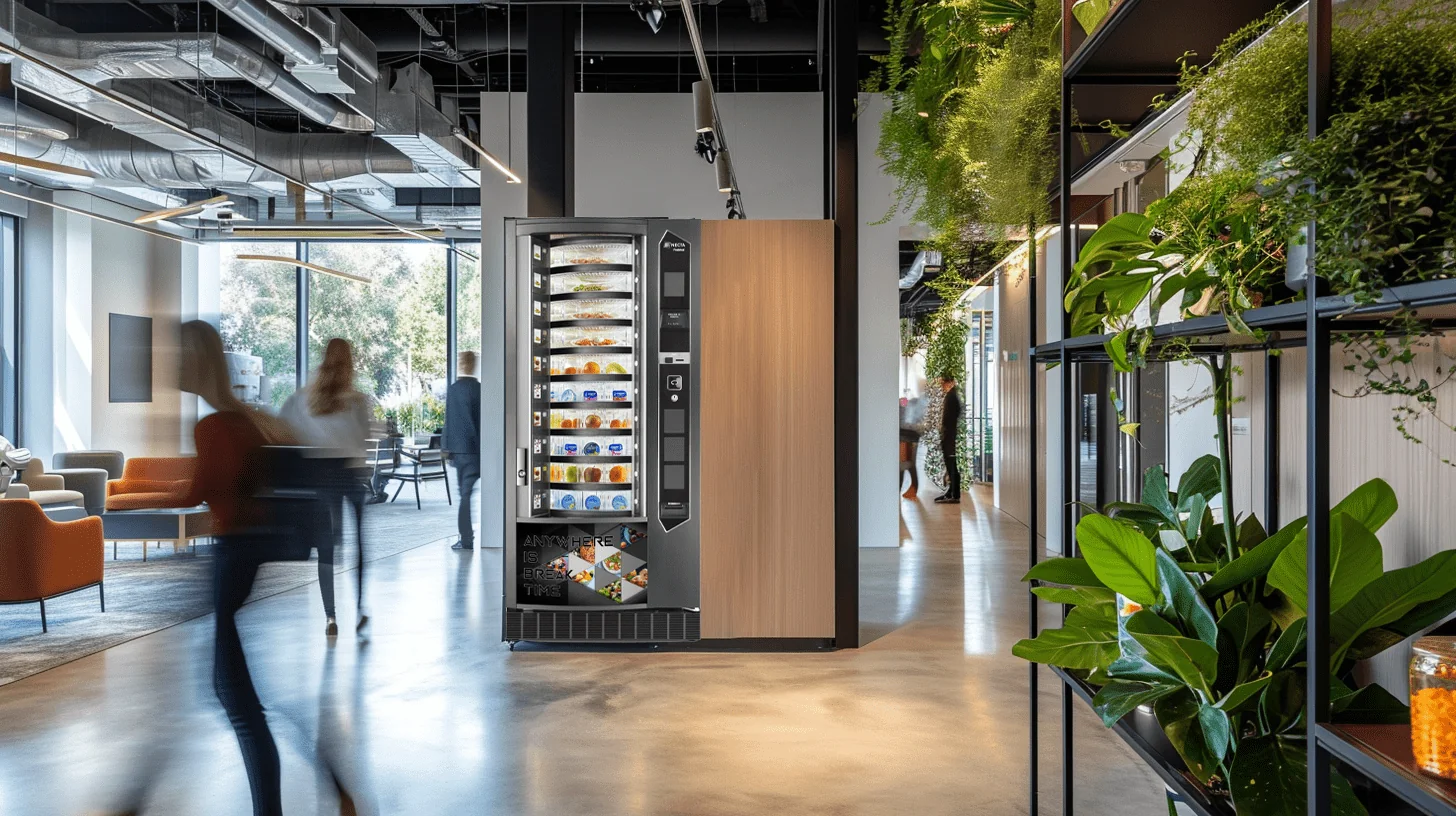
(591, 431)
(604, 404)
(592, 485)
(592, 377)
(595, 323)
(597, 267)
(592, 296)
(591, 350)
(591, 460)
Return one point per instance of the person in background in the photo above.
(950, 418)
(912, 427)
(462, 441)
(230, 473)
(333, 416)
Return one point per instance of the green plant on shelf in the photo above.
(1167, 613)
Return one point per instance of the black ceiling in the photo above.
(618, 53)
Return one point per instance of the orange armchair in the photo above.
(149, 482)
(41, 559)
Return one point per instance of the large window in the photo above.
(467, 298)
(259, 305)
(396, 324)
(9, 326)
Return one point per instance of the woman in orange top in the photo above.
(230, 472)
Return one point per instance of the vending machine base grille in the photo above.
(602, 626)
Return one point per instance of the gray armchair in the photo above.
(87, 472)
(108, 460)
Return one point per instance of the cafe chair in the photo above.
(415, 465)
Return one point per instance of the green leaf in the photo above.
(1116, 348)
(1200, 479)
(1389, 597)
(1288, 650)
(1075, 595)
(1216, 730)
(1119, 697)
(1090, 12)
(1425, 615)
(1371, 705)
(1250, 534)
(1070, 648)
(1129, 428)
(1178, 715)
(1281, 706)
(1181, 600)
(1244, 694)
(1268, 778)
(1253, 564)
(1191, 661)
(1121, 557)
(1356, 559)
(1065, 571)
(1373, 642)
(1155, 493)
(1372, 504)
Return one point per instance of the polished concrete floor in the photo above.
(433, 715)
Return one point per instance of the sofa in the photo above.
(149, 482)
(45, 489)
(87, 472)
(44, 558)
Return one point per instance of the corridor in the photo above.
(434, 715)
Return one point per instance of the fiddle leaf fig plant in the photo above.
(1167, 613)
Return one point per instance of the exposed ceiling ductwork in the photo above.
(400, 139)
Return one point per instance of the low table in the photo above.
(176, 524)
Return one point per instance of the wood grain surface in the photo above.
(768, 429)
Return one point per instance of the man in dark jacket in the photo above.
(462, 441)
(950, 417)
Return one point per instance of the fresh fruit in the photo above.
(614, 368)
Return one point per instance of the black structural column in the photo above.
(550, 117)
(452, 311)
(840, 84)
(301, 287)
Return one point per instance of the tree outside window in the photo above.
(259, 305)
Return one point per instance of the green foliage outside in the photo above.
(396, 325)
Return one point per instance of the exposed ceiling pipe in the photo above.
(275, 28)
(438, 40)
(99, 58)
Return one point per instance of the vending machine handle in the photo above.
(522, 463)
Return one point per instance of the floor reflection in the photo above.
(432, 714)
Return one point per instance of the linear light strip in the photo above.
(182, 131)
(99, 217)
(284, 259)
(511, 177)
(49, 167)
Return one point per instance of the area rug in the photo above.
(167, 589)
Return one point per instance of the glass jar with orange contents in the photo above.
(1433, 705)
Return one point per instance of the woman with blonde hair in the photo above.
(332, 416)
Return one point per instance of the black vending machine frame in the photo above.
(665, 459)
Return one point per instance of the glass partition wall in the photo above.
(401, 323)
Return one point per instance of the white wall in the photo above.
(634, 157)
(76, 272)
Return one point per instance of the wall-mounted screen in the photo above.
(131, 358)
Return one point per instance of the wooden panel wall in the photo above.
(768, 429)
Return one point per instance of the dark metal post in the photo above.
(1068, 235)
(841, 204)
(301, 284)
(550, 111)
(452, 281)
(1271, 442)
(1317, 448)
(1032, 500)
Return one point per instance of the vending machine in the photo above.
(602, 424)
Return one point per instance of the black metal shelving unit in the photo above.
(1130, 56)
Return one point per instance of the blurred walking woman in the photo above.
(230, 472)
(332, 416)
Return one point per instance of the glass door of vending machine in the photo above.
(593, 514)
